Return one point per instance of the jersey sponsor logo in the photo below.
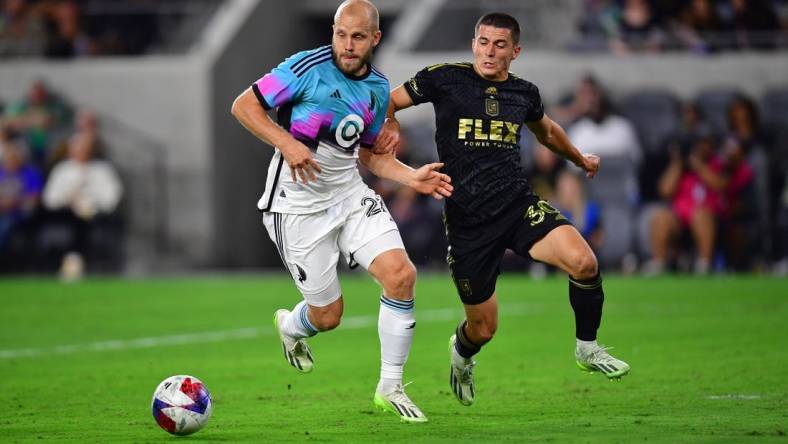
(349, 130)
(372, 102)
(336, 94)
(492, 130)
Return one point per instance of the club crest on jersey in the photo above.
(349, 130)
(491, 107)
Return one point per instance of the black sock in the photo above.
(463, 345)
(586, 297)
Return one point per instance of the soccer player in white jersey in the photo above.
(331, 105)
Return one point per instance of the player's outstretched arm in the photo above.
(425, 180)
(551, 135)
(246, 108)
(389, 139)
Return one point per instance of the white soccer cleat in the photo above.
(461, 375)
(398, 403)
(296, 351)
(597, 359)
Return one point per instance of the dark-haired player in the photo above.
(480, 109)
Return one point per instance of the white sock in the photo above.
(296, 324)
(396, 324)
(586, 345)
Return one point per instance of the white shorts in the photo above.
(360, 227)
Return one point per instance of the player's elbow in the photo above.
(235, 109)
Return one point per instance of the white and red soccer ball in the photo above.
(181, 405)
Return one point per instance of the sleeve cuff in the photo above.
(414, 96)
(260, 97)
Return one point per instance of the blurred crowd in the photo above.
(698, 186)
(59, 194)
(699, 26)
(78, 28)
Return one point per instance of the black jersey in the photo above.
(479, 123)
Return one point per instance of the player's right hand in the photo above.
(388, 140)
(299, 159)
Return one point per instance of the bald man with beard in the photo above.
(331, 104)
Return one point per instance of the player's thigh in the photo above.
(545, 235)
(565, 248)
(369, 231)
(308, 247)
(474, 259)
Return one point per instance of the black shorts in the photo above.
(475, 252)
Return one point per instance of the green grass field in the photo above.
(80, 362)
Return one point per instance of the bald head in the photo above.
(358, 10)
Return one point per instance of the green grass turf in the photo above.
(709, 363)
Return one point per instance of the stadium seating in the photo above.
(713, 103)
(655, 115)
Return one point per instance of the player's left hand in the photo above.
(388, 140)
(427, 180)
(590, 165)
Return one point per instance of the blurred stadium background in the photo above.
(686, 101)
(146, 86)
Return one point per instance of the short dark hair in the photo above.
(500, 20)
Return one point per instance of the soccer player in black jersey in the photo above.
(480, 109)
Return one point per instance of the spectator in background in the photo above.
(598, 23)
(637, 29)
(543, 170)
(745, 129)
(656, 219)
(754, 24)
(573, 108)
(706, 190)
(85, 122)
(21, 29)
(65, 36)
(83, 193)
(39, 117)
(20, 190)
(698, 27)
(738, 209)
(599, 131)
(585, 215)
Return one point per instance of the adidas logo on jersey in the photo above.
(282, 194)
(336, 94)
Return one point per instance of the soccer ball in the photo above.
(181, 405)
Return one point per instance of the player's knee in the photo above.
(401, 278)
(583, 265)
(482, 332)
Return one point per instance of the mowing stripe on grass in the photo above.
(351, 322)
